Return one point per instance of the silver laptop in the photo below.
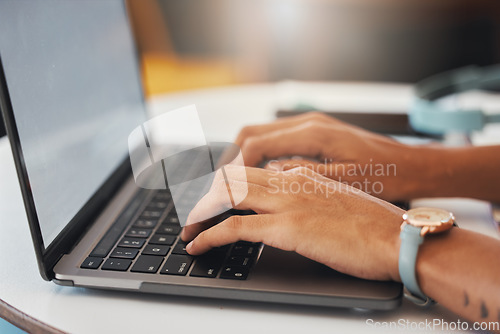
(70, 94)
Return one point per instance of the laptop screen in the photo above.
(71, 71)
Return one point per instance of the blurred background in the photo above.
(190, 44)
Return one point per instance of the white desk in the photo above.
(223, 111)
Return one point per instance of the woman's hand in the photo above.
(373, 163)
(302, 211)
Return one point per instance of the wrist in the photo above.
(427, 171)
(425, 266)
(394, 243)
(418, 228)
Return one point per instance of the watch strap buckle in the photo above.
(420, 301)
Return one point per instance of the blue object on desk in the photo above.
(427, 116)
(8, 328)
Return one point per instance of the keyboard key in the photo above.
(147, 264)
(239, 261)
(161, 239)
(157, 204)
(234, 272)
(151, 213)
(207, 265)
(124, 253)
(156, 250)
(163, 196)
(132, 242)
(220, 249)
(177, 265)
(180, 248)
(91, 263)
(111, 237)
(145, 223)
(171, 219)
(138, 233)
(244, 249)
(169, 229)
(116, 264)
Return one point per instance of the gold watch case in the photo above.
(431, 220)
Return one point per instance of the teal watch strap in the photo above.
(408, 251)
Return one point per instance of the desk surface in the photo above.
(78, 310)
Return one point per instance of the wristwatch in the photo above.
(416, 224)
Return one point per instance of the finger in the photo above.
(229, 189)
(331, 170)
(231, 155)
(219, 199)
(320, 180)
(270, 180)
(253, 175)
(266, 198)
(189, 232)
(253, 228)
(283, 165)
(280, 124)
(298, 140)
(311, 115)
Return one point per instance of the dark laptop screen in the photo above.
(71, 71)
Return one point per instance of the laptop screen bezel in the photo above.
(47, 257)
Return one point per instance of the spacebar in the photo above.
(111, 237)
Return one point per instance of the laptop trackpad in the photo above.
(284, 271)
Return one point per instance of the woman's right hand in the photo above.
(299, 210)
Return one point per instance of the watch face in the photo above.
(428, 217)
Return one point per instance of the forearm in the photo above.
(460, 269)
(455, 172)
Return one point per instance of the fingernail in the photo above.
(189, 246)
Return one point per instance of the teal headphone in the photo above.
(427, 116)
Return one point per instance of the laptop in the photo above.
(70, 94)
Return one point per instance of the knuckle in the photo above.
(312, 126)
(316, 115)
(245, 134)
(205, 239)
(289, 229)
(292, 171)
(245, 145)
(202, 237)
(233, 223)
(299, 171)
(250, 143)
(247, 130)
(302, 170)
(297, 174)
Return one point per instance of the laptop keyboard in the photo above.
(145, 239)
